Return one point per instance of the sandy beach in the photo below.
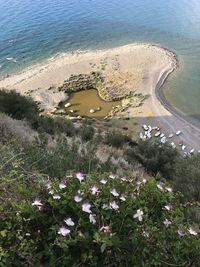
(142, 68)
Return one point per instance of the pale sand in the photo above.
(134, 67)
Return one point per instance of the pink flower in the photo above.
(169, 189)
(114, 205)
(160, 186)
(56, 197)
(123, 179)
(167, 222)
(103, 181)
(192, 231)
(105, 229)
(114, 192)
(168, 207)
(49, 185)
(181, 233)
(63, 231)
(139, 215)
(77, 198)
(92, 218)
(112, 176)
(80, 177)
(37, 203)
(94, 190)
(122, 198)
(62, 185)
(86, 207)
(69, 222)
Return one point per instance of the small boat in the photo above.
(145, 127)
(170, 135)
(157, 134)
(162, 135)
(183, 147)
(178, 133)
(192, 151)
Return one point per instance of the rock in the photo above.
(92, 110)
(99, 108)
(67, 105)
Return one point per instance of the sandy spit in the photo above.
(135, 67)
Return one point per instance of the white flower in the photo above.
(92, 218)
(103, 181)
(160, 187)
(63, 231)
(37, 203)
(139, 215)
(144, 180)
(69, 222)
(168, 207)
(86, 207)
(112, 176)
(105, 207)
(62, 185)
(77, 198)
(122, 198)
(192, 231)
(80, 177)
(123, 179)
(167, 222)
(114, 205)
(169, 189)
(56, 197)
(114, 192)
(94, 190)
(181, 233)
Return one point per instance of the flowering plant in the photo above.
(98, 220)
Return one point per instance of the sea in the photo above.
(34, 30)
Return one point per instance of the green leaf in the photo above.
(103, 247)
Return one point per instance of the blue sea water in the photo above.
(33, 30)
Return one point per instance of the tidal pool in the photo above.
(83, 101)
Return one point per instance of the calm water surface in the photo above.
(31, 31)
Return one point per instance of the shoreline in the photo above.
(140, 67)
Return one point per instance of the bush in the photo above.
(84, 221)
(55, 125)
(86, 132)
(186, 178)
(155, 157)
(18, 106)
(116, 139)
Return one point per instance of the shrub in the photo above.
(86, 221)
(155, 157)
(55, 125)
(18, 106)
(186, 178)
(116, 139)
(86, 132)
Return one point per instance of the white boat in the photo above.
(157, 134)
(171, 135)
(149, 128)
(162, 135)
(178, 132)
(145, 127)
(183, 147)
(192, 151)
